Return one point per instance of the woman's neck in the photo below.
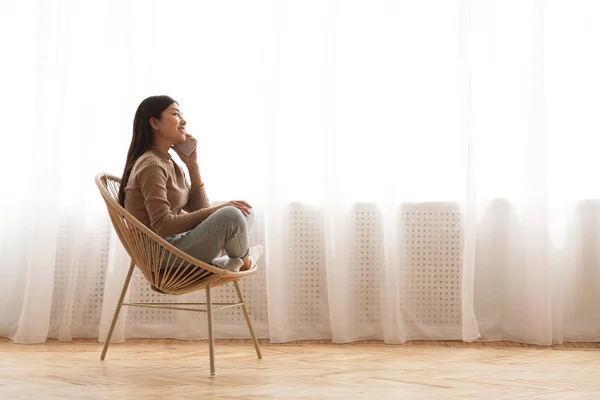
(161, 145)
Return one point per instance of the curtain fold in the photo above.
(419, 169)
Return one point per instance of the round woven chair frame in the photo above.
(167, 269)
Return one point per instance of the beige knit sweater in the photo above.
(159, 195)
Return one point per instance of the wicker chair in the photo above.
(166, 268)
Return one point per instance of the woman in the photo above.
(154, 189)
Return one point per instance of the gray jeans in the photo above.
(226, 228)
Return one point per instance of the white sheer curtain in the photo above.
(419, 169)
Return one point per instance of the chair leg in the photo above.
(245, 310)
(118, 309)
(211, 341)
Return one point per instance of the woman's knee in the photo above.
(232, 214)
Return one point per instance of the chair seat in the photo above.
(174, 284)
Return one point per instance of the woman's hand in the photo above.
(192, 159)
(240, 205)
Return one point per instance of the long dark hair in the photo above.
(152, 107)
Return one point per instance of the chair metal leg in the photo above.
(117, 310)
(211, 341)
(245, 310)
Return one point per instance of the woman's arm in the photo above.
(198, 199)
(152, 178)
(195, 177)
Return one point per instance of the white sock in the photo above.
(255, 254)
(230, 264)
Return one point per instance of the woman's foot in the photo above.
(230, 264)
(252, 258)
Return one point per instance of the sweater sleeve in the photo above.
(198, 199)
(152, 178)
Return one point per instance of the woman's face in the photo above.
(171, 126)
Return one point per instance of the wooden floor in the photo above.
(172, 369)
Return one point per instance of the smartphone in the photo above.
(186, 147)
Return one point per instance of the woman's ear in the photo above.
(154, 123)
